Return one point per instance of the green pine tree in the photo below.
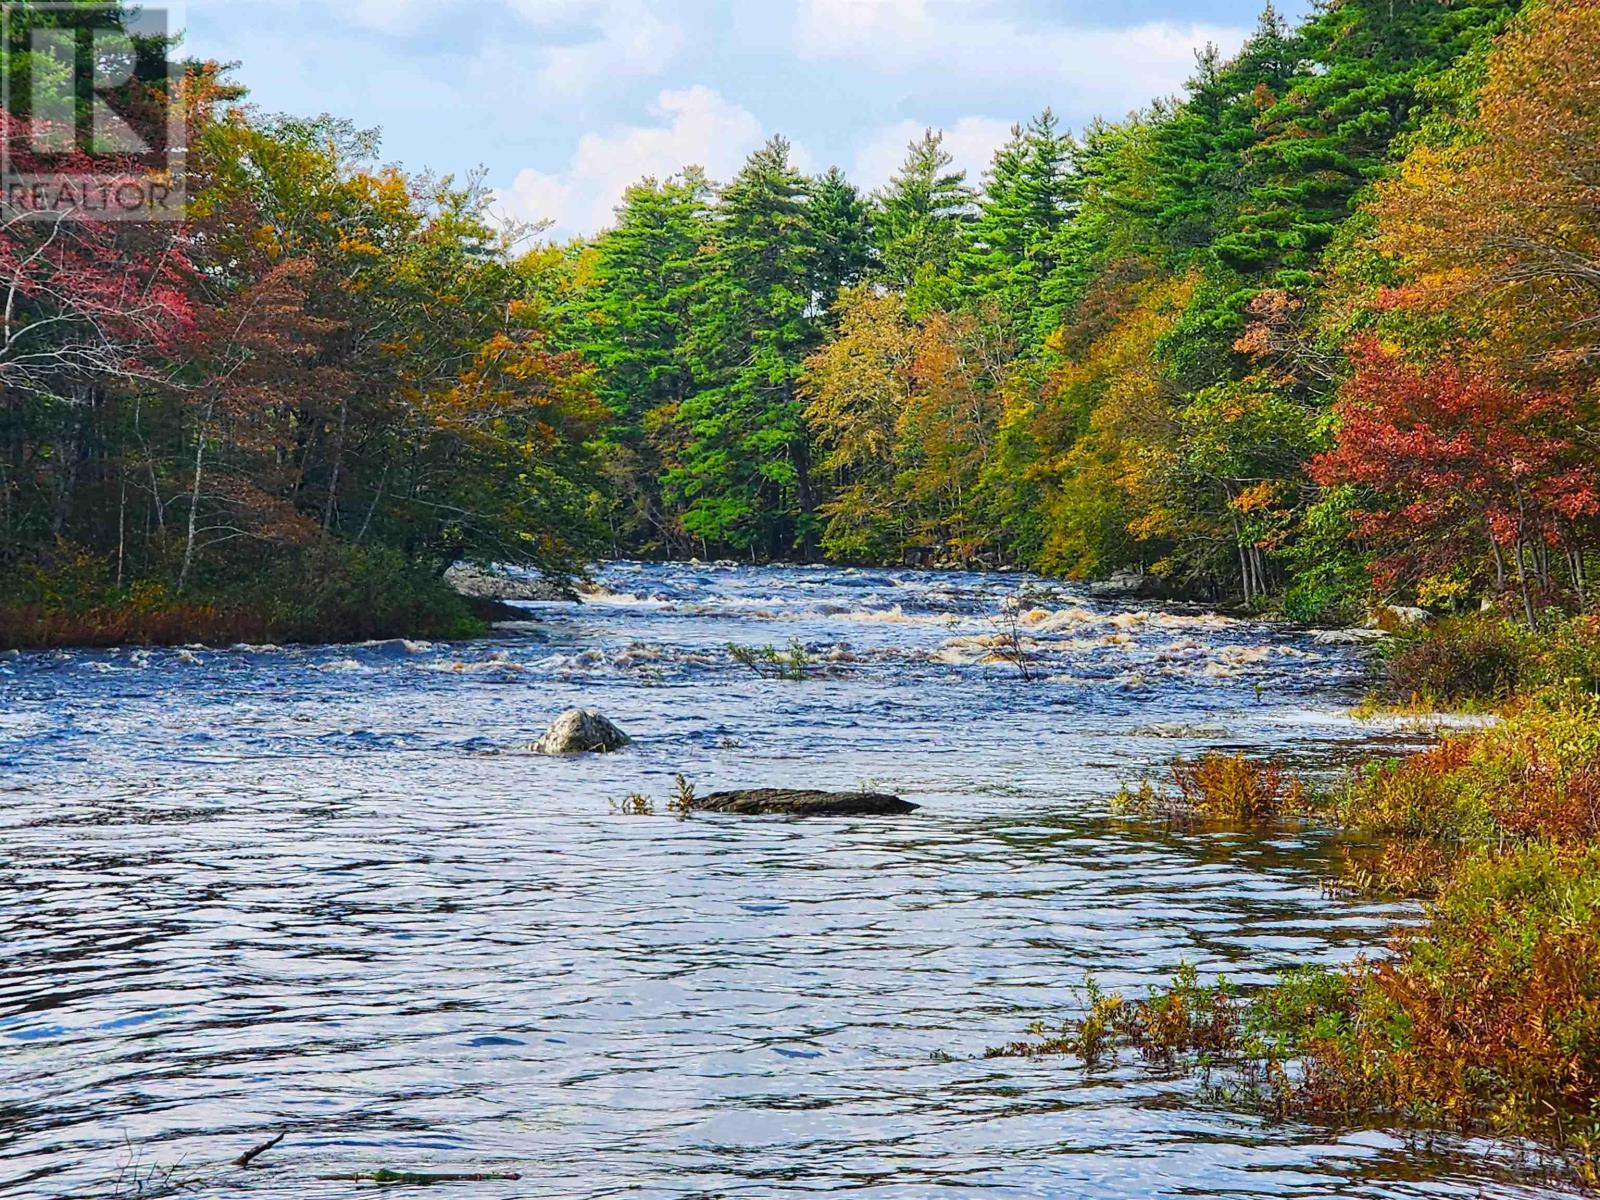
(920, 221)
(744, 481)
(642, 275)
(841, 232)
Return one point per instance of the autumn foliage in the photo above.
(1461, 463)
(328, 372)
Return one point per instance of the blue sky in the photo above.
(564, 102)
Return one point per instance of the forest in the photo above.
(1325, 330)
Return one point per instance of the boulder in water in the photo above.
(475, 583)
(761, 802)
(1125, 584)
(1348, 637)
(581, 731)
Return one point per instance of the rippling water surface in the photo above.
(329, 891)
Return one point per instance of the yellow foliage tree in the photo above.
(1503, 227)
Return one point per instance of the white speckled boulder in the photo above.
(581, 731)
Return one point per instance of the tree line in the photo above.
(326, 384)
(1330, 323)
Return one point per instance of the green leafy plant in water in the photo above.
(793, 664)
(682, 802)
(1088, 1037)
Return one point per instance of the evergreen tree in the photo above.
(920, 220)
(744, 479)
(841, 231)
(1029, 196)
(644, 274)
(1327, 127)
(646, 270)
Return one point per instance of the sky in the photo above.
(563, 103)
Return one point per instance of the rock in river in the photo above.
(581, 731)
(783, 802)
(475, 583)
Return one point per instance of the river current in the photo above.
(329, 891)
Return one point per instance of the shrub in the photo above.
(1485, 659)
(1236, 788)
(1485, 1017)
(1220, 787)
(1532, 777)
(1459, 659)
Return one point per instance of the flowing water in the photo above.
(328, 890)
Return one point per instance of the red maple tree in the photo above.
(1460, 463)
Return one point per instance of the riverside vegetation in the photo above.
(1485, 1013)
(1321, 332)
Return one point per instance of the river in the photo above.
(328, 890)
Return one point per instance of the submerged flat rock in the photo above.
(785, 802)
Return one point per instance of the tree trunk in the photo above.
(194, 499)
(1522, 583)
(1244, 562)
(333, 470)
(122, 520)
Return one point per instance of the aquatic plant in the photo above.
(1216, 786)
(793, 664)
(682, 802)
(1089, 1037)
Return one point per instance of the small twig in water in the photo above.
(244, 1159)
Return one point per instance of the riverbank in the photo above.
(346, 595)
(1483, 1014)
(339, 594)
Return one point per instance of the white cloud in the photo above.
(400, 18)
(972, 42)
(697, 126)
(970, 142)
(627, 39)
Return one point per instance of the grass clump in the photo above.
(1219, 787)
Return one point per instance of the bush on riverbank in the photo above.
(1485, 1017)
(1484, 659)
(326, 593)
(1534, 777)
